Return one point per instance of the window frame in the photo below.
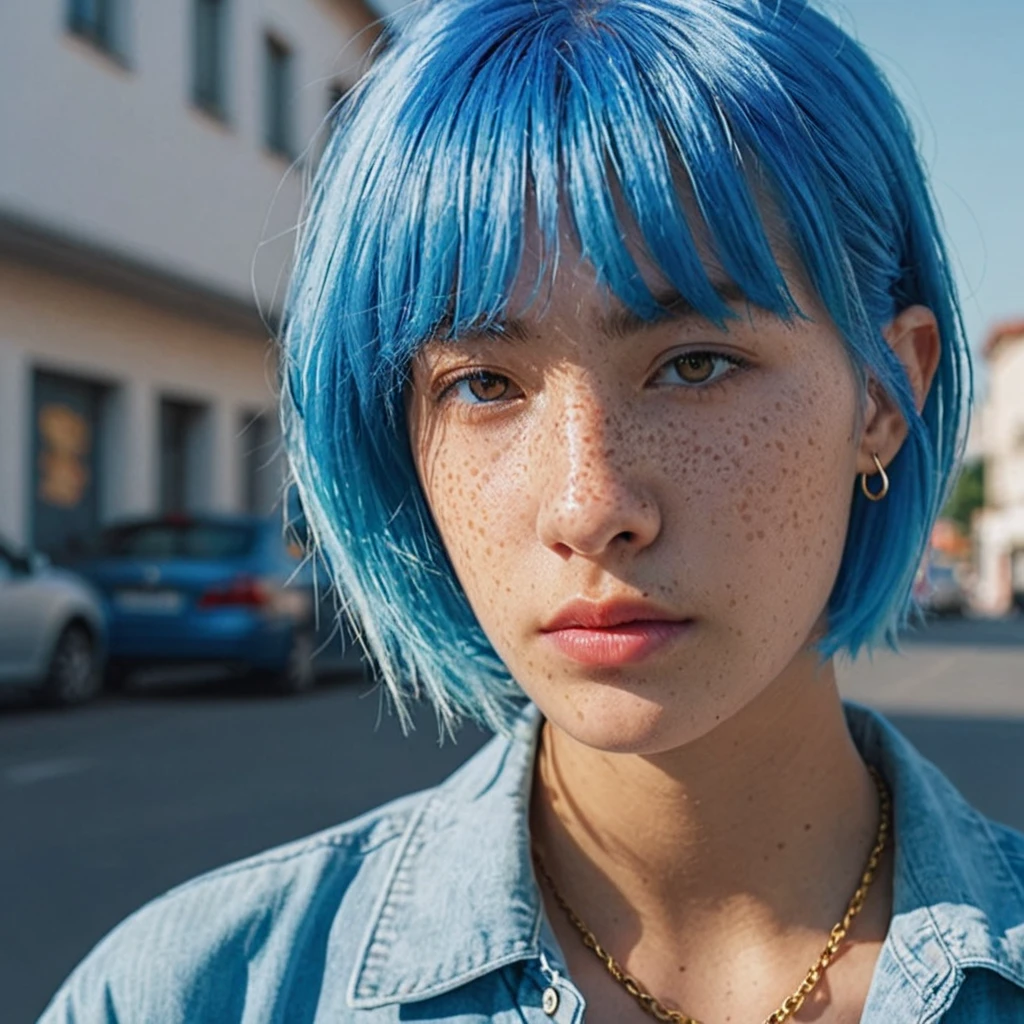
(278, 96)
(104, 30)
(216, 103)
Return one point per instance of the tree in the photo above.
(968, 495)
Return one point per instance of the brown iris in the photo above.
(488, 387)
(695, 368)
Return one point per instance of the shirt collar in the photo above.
(958, 902)
(460, 898)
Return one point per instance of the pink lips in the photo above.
(612, 633)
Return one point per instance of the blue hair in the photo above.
(488, 118)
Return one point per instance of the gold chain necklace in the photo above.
(651, 1005)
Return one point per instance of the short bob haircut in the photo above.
(486, 118)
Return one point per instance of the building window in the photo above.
(209, 55)
(262, 466)
(277, 96)
(97, 21)
(183, 480)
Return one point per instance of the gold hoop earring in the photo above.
(884, 490)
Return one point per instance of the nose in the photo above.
(592, 497)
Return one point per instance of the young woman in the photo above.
(623, 379)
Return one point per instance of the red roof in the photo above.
(1008, 330)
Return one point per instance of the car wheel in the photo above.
(74, 674)
(298, 676)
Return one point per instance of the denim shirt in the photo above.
(427, 909)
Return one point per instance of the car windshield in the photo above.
(178, 540)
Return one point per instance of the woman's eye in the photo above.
(696, 368)
(480, 388)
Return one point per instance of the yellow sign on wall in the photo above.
(66, 442)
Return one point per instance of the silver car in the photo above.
(52, 631)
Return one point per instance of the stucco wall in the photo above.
(142, 353)
(118, 155)
(1004, 426)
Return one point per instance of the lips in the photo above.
(606, 614)
(613, 633)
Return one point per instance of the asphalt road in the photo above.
(104, 808)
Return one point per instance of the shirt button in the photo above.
(550, 1003)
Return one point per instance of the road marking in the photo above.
(42, 771)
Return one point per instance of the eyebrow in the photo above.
(672, 306)
(618, 324)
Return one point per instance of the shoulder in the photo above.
(958, 889)
(309, 930)
(1011, 845)
(188, 956)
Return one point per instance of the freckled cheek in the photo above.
(476, 493)
(766, 493)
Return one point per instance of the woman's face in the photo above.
(647, 519)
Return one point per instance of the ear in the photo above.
(914, 336)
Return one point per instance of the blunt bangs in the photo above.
(488, 121)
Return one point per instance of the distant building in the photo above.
(147, 150)
(1000, 525)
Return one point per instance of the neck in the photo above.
(761, 826)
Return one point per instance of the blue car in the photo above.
(225, 592)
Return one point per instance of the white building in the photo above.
(1000, 525)
(145, 153)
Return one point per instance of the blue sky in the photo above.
(958, 66)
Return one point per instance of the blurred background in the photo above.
(153, 615)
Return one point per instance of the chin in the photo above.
(619, 718)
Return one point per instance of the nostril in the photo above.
(628, 536)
